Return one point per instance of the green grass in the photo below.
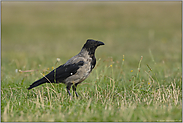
(138, 76)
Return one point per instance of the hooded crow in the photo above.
(75, 70)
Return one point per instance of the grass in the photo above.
(138, 76)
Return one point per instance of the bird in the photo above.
(75, 70)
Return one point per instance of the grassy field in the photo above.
(138, 76)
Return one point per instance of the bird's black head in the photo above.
(91, 45)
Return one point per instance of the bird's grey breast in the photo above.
(86, 69)
(83, 71)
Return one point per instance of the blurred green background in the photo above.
(47, 30)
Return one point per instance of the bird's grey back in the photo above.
(81, 56)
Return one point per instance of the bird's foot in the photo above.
(76, 94)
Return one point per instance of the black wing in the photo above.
(63, 72)
(58, 74)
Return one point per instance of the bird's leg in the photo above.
(74, 89)
(68, 89)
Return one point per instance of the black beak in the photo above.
(100, 43)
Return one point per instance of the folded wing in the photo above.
(59, 74)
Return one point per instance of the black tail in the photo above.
(38, 82)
